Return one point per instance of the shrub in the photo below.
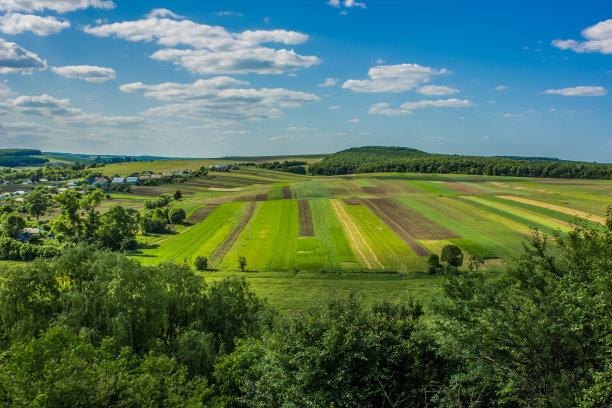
(200, 263)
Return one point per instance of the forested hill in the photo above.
(20, 157)
(372, 159)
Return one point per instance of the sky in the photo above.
(216, 78)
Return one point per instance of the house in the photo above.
(132, 179)
(168, 174)
(73, 184)
(43, 180)
(118, 180)
(147, 173)
(27, 234)
(144, 177)
(156, 176)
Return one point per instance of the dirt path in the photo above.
(225, 246)
(565, 210)
(345, 219)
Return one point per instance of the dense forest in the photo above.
(97, 329)
(371, 159)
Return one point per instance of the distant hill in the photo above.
(20, 158)
(371, 159)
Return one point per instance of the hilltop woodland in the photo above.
(95, 328)
(371, 159)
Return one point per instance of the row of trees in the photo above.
(95, 328)
(382, 159)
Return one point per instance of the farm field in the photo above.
(371, 233)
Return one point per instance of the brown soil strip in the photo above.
(224, 248)
(243, 198)
(346, 220)
(207, 184)
(565, 210)
(287, 193)
(412, 221)
(305, 217)
(146, 191)
(373, 190)
(353, 201)
(201, 213)
(261, 197)
(397, 229)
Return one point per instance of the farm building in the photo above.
(131, 179)
(118, 180)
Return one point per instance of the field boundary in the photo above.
(225, 246)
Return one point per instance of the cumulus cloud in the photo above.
(353, 120)
(162, 12)
(25, 127)
(329, 82)
(220, 98)
(407, 107)
(61, 6)
(393, 78)
(228, 13)
(598, 39)
(501, 87)
(436, 90)
(334, 107)
(299, 129)
(88, 73)
(13, 59)
(18, 23)
(61, 111)
(579, 91)
(213, 50)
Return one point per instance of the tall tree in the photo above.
(37, 203)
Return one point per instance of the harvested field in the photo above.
(201, 213)
(353, 201)
(305, 217)
(210, 185)
(410, 220)
(287, 193)
(561, 209)
(261, 197)
(246, 197)
(146, 191)
(225, 246)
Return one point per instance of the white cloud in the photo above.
(162, 12)
(393, 78)
(18, 23)
(4, 90)
(407, 107)
(88, 73)
(13, 59)
(333, 107)
(441, 103)
(61, 111)
(345, 3)
(29, 127)
(214, 50)
(383, 109)
(501, 87)
(61, 6)
(228, 13)
(329, 82)
(299, 129)
(353, 121)
(436, 90)
(598, 39)
(222, 98)
(511, 115)
(579, 91)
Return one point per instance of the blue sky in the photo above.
(214, 78)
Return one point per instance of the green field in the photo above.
(351, 248)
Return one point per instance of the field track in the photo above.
(305, 217)
(225, 246)
(356, 238)
(201, 213)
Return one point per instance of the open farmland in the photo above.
(319, 231)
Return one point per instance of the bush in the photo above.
(452, 255)
(176, 215)
(433, 264)
(200, 263)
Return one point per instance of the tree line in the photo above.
(371, 159)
